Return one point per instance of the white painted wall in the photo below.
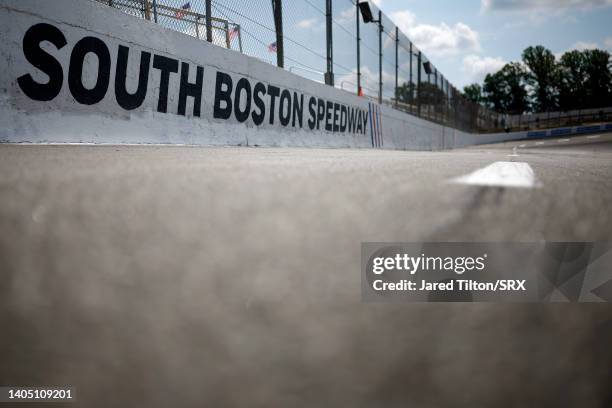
(64, 120)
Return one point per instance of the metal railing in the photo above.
(223, 32)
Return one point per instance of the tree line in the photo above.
(543, 83)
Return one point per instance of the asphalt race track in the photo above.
(159, 276)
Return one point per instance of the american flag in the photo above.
(272, 47)
(183, 11)
(234, 32)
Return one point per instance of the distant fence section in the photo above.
(348, 44)
(558, 119)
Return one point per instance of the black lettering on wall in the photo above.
(312, 102)
(328, 115)
(352, 118)
(273, 91)
(343, 112)
(43, 61)
(285, 100)
(320, 112)
(189, 89)
(298, 108)
(125, 99)
(166, 66)
(258, 90)
(243, 84)
(336, 117)
(75, 73)
(222, 95)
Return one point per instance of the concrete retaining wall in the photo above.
(78, 71)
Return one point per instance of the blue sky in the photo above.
(466, 39)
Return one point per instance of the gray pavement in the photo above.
(186, 276)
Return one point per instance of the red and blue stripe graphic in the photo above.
(375, 125)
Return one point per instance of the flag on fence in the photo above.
(272, 47)
(183, 11)
(234, 32)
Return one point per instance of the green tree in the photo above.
(473, 92)
(405, 93)
(598, 83)
(506, 89)
(572, 78)
(542, 77)
(430, 94)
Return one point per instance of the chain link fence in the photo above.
(329, 41)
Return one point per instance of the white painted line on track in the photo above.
(564, 140)
(593, 137)
(522, 145)
(501, 174)
(539, 143)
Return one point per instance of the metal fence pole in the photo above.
(277, 9)
(380, 54)
(396, 63)
(411, 84)
(418, 87)
(227, 36)
(358, 50)
(455, 108)
(239, 38)
(155, 10)
(329, 75)
(436, 98)
(147, 10)
(209, 37)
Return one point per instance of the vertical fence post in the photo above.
(239, 38)
(155, 10)
(380, 54)
(209, 21)
(436, 94)
(147, 10)
(197, 26)
(277, 9)
(329, 75)
(227, 36)
(396, 65)
(411, 83)
(358, 49)
(418, 88)
(455, 108)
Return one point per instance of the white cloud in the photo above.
(542, 4)
(346, 16)
(583, 45)
(404, 19)
(437, 40)
(306, 23)
(477, 67)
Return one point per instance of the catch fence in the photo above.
(344, 43)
